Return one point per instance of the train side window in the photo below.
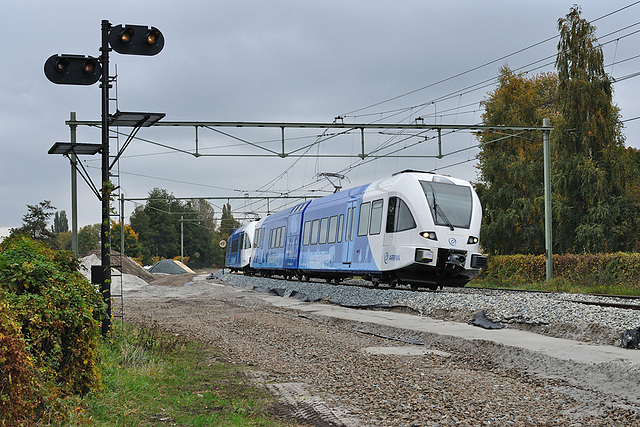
(283, 236)
(347, 229)
(340, 223)
(256, 238)
(315, 229)
(399, 217)
(276, 242)
(306, 233)
(270, 238)
(333, 229)
(376, 217)
(363, 220)
(324, 225)
(234, 246)
(353, 225)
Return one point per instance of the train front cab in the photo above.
(432, 229)
(240, 248)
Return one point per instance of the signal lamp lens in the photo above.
(152, 36)
(126, 35)
(89, 66)
(472, 240)
(61, 65)
(431, 235)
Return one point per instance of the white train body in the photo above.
(413, 228)
(240, 247)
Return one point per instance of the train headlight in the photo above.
(472, 240)
(431, 235)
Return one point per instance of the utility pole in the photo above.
(547, 199)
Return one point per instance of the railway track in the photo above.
(614, 302)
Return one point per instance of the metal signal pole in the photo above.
(106, 183)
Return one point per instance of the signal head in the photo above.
(136, 40)
(72, 69)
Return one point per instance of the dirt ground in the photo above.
(333, 373)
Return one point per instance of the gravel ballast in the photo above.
(331, 372)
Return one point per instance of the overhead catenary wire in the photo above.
(469, 88)
(390, 143)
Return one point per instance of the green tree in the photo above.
(511, 177)
(64, 240)
(160, 222)
(593, 211)
(35, 223)
(140, 224)
(227, 224)
(206, 213)
(60, 222)
(199, 228)
(88, 239)
(132, 246)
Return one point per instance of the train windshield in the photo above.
(450, 204)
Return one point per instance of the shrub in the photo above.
(608, 273)
(18, 397)
(52, 322)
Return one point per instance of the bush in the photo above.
(50, 326)
(607, 273)
(18, 398)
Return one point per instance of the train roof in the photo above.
(354, 191)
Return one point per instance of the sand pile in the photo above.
(134, 277)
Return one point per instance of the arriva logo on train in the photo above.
(453, 241)
(392, 257)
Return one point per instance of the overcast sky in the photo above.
(276, 61)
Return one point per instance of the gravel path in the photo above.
(329, 374)
(553, 314)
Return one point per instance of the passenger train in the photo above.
(414, 228)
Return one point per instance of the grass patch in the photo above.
(153, 378)
(557, 285)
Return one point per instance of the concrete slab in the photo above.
(557, 348)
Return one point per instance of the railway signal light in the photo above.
(86, 70)
(136, 39)
(72, 69)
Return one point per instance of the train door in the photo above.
(292, 244)
(349, 231)
(235, 249)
